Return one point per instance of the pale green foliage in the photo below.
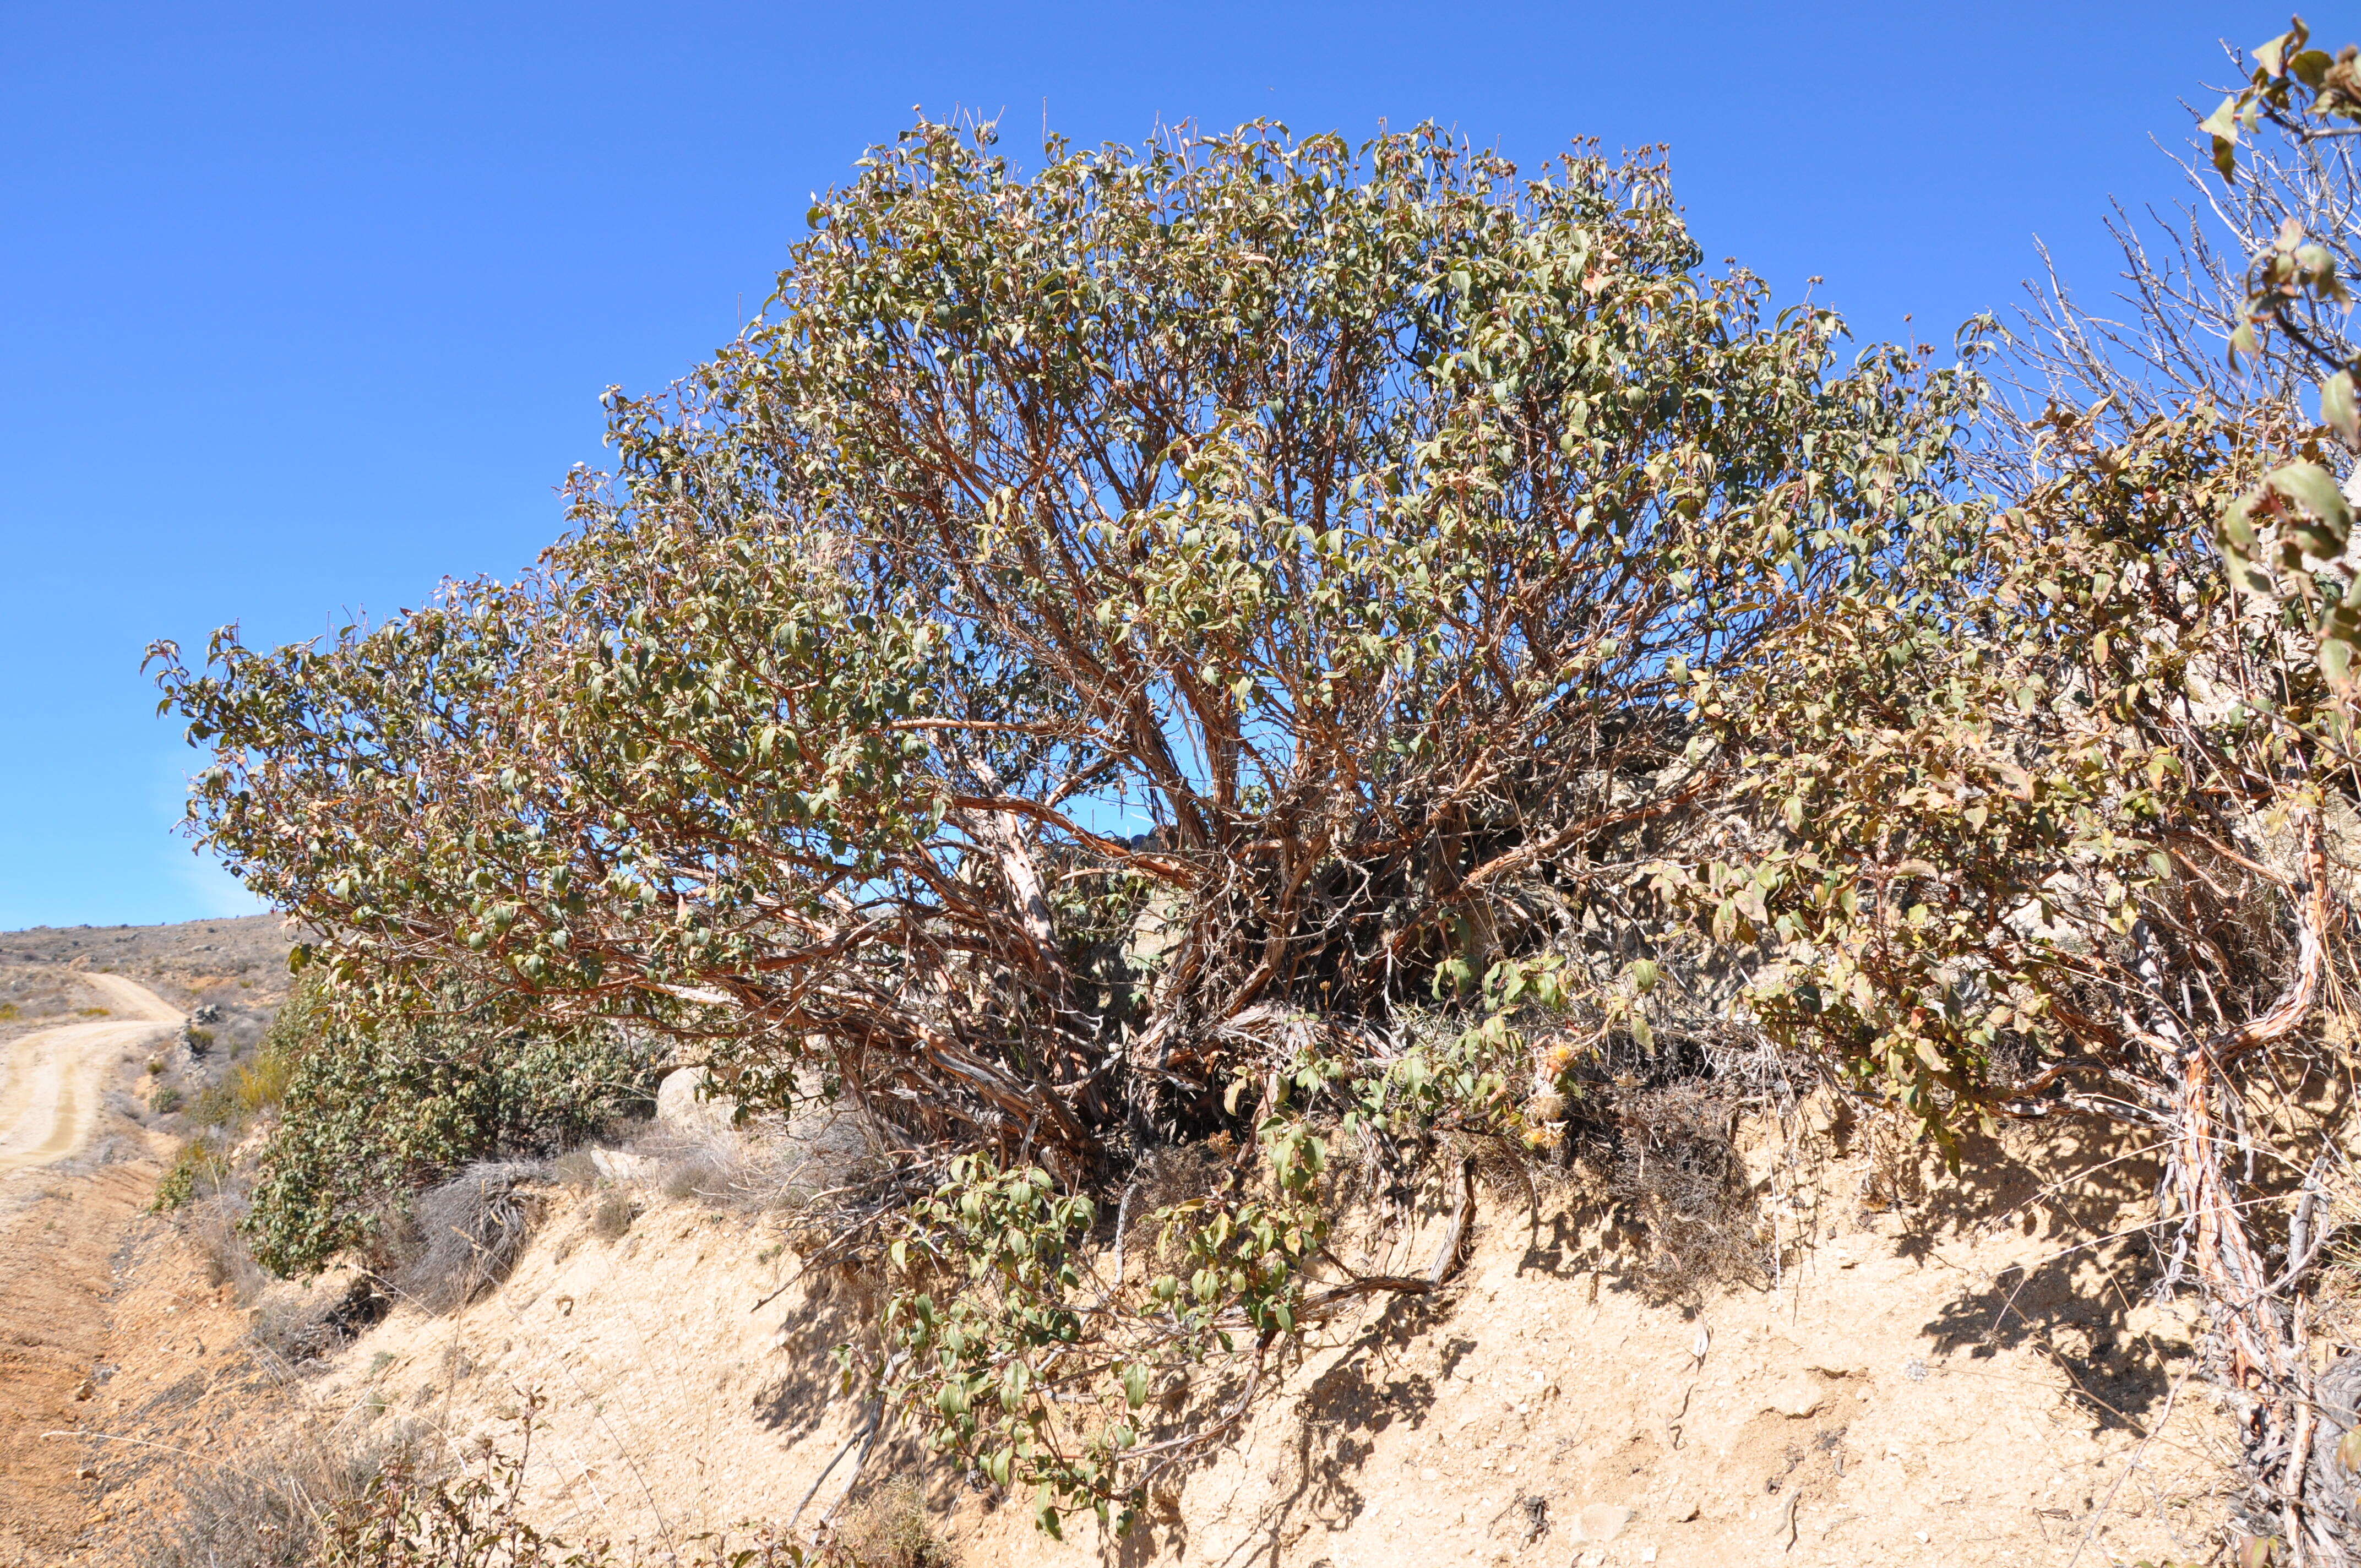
(1994, 797)
(2286, 540)
(1354, 515)
(1017, 1357)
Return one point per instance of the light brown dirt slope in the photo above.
(1973, 1381)
(82, 1145)
(58, 1230)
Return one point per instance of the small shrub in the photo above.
(92, 1013)
(368, 1118)
(215, 1106)
(7, 1012)
(198, 1170)
(155, 1066)
(611, 1216)
(199, 1041)
(261, 1084)
(165, 1100)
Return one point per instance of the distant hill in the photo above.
(238, 965)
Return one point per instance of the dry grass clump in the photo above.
(889, 1528)
(1678, 1171)
(712, 1168)
(303, 1324)
(771, 1163)
(611, 1216)
(272, 1510)
(213, 1229)
(468, 1232)
(250, 1089)
(576, 1169)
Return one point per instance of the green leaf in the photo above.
(2336, 660)
(2337, 408)
(2313, 489)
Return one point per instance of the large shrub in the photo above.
(372, 1114)
(1301, 548)
(1110, 648)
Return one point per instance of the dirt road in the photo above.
(49, 1095)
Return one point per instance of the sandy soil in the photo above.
(82, 1010)
(49, 1097)
(60, 1228)
(1964, 1380)
(57, 1254)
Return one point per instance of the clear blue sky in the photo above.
(305, 308)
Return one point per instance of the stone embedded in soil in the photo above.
(685, 1102)
(1600, 1521)
(1795, 1399)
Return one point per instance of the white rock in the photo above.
(1600, 1521)
(1795, 1399)
(681, 1105)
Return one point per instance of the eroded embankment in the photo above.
(1958, 1378)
